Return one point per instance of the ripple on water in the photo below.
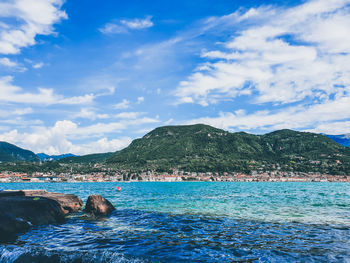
(138, 236)
(197, 222)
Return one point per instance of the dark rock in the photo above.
(18, 213)
(98, 206)
(69, 202)
(11, 225)
(21, 209)
(11, 193)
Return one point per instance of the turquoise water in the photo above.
(196, 221)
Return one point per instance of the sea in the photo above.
(195, 222)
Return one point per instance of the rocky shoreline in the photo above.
(20, 210)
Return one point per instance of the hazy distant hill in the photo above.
(86, 159)
(45, 157)
(12, 153)
(204, 148)
(341, 139)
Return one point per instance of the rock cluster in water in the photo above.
(19, 210)
(98, 206)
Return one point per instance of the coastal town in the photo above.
(175, 176)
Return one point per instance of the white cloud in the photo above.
(339, 127)
(125, 104)
(86, 113)
(100, 129)
(19, 122)
(104, 145)
(49, 140)
(168, 122)
(33, 17)
(85, 99)
(111, 28)
(140, 100)
(128, 115)
(14, 94)
(324, 118)
(12, 65)
(23, 111)
(54, 140)
(137, 23)
(8, 63)
(38, 65)
(34, 65)
(66, 136)
(124, 25)
(15, 112)
(285, 57)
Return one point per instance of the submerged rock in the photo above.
(18, 213)
(11, 225)
(98, 206)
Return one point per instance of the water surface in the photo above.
(196, 222)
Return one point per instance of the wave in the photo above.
(30, 255)
(138, 236)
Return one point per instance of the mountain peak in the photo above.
(204, 148)
(12, 153)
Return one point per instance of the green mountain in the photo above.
(202, 148)
(12, 153)
(87, 159)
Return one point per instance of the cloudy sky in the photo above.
(86, 76)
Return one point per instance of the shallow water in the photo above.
(196, 222)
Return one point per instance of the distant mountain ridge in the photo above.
(13, 153)
(86, 159)
(45, 157)
(204, 148)
(343, 139)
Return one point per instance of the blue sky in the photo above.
(86, 76)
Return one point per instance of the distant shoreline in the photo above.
(75, 182)
(176, 176)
